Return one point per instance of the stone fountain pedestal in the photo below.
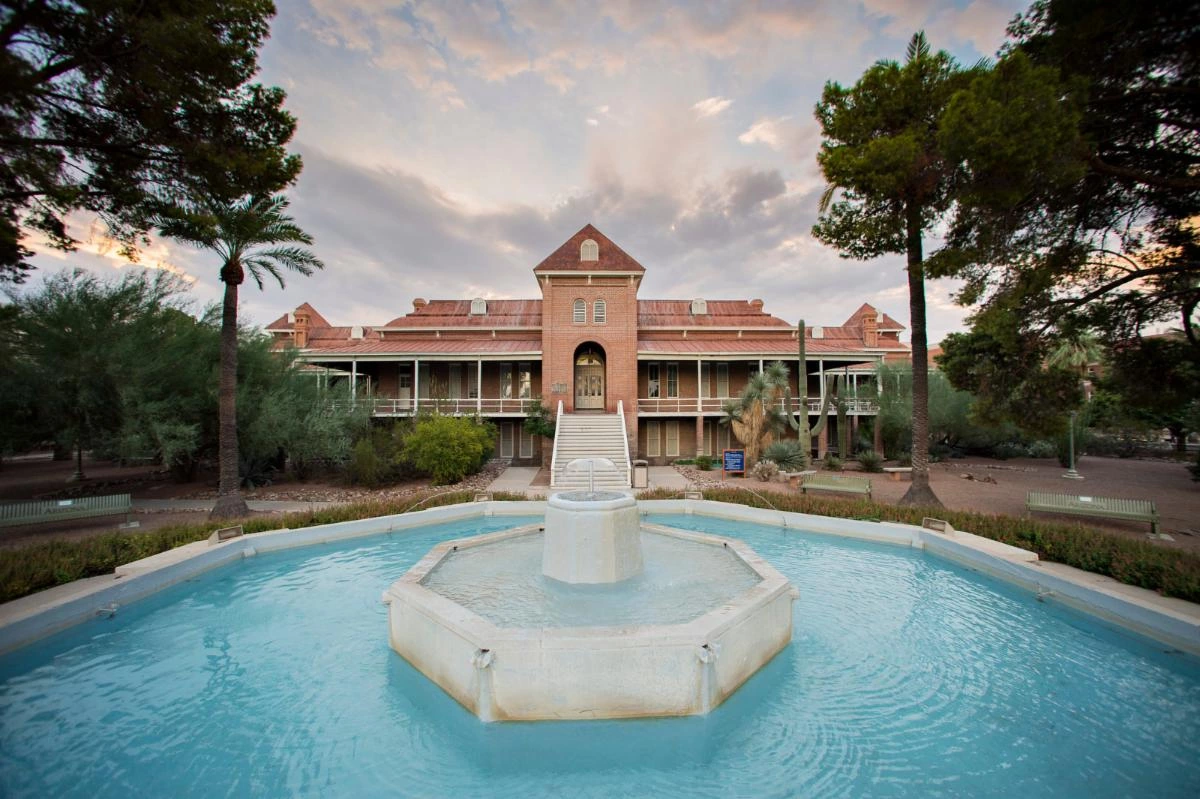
(592, 537)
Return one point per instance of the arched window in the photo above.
(599, 312)
(699, 307)
(478, 307)
(580, 315)
(589, 251)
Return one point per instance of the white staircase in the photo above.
(585, 435)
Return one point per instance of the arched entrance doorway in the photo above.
(589, 377)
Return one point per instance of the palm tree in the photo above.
(756, 415)
(252, 235)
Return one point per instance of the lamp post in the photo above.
(1071, 473)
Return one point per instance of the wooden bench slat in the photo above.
(33, 512)
(829, 482)
(1141, 510)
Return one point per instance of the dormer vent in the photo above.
(419, 303)
(699, 307)
(589, 251)
(356, 331)
(478, 307)
(291, 317)
(818, 332)
(756, 305)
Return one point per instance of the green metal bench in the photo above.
(829, 482)
(1138, 510)
(17, 513)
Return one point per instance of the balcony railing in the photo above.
(688, 405)
(488, 406)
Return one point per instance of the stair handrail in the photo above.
(557, 436)
(625, 442)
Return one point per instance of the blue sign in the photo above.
(734, 460)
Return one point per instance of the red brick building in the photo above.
(592, 345)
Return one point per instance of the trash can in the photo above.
(641, 474)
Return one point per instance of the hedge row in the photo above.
(1167, 571)
(39, 566)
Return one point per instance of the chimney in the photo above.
(756, 305)
(419, 303)
(300, 330)
(870, 330)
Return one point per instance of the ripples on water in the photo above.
(907, 676)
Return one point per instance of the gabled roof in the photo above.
(886, 323)
(566, 258)
(457, 313)
(720, 313)
(314, 319)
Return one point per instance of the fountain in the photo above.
(594, 615)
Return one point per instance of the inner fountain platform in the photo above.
(593, 615)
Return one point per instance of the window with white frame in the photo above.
(589, 251)
(653, 437)
(652, 389)
(579, 315)
(672, 380)
(599, 312)
(526, 442)
(723, 380)
(472, 381)
(673, 438)
(705, 380)
(506, 381)
(525, 380)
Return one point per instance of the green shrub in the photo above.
(1008, 449)
(870, 461)
(704, 463)
(448, 448)
(1043, 449)
(765, 470)
(833, 463)
(790, 456)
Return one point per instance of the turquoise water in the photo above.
(502, 581)
(907, 676)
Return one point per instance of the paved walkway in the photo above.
(167, 505)
(519, 479)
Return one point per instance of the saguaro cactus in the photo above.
(800, 421)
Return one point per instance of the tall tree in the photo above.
(72, 328)
(125, 107)
(1103, 238)
(881, 152)
(252, 235)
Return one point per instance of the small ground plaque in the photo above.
(225, 533)
(937, 525)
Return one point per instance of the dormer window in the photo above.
(589, 251)
(478, 307)
(579, 314)
(699, 307)
(599, 312)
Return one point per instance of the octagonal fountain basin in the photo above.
(479, 618)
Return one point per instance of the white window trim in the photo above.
(672, 446)
(653, 381)
(599, 312)
(653, 440)
(579, 312)
(673, 367)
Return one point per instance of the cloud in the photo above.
(765, 131)
(712, 106)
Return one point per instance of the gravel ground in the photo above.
(1000, 487)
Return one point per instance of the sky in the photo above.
(450, 146)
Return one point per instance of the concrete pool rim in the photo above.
(1174, 622)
